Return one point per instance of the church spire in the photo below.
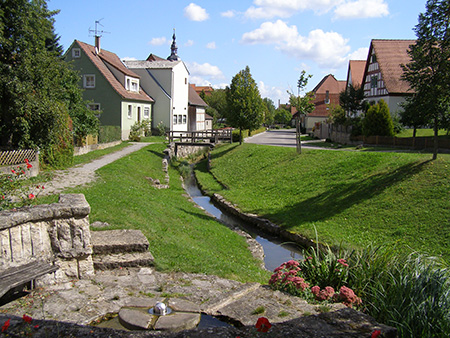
(173, 49)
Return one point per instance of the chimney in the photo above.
(97, 44)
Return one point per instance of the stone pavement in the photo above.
(85, 173)
(88, 300)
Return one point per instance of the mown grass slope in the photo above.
(351, 198)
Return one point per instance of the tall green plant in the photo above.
(378, 120)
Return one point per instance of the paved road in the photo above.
(85, 173)
(278, 137)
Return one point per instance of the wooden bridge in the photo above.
(201, 138)
(205, 138)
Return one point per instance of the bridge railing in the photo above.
(203, 136)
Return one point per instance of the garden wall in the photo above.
(86, 149)
(56, 233)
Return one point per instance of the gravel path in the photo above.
(85, 173)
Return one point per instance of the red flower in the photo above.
(375, 334)
(27, 319)
(26, 160)
(13, 171)
(263, 325)
(36, 326)
(31, 196)
(6, 325)
(29, 166)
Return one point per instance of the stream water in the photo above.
(276, 251)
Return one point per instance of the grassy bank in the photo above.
(351, 198)
(181, 236)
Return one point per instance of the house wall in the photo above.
(180, 96)
(200, 116)
(126, 121)
(310, 121)
(103, 93)
(393, 102)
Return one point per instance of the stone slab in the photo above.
(115, 241)
(121, 260)
(177, 321)
(134, 319)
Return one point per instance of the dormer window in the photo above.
(132, 84)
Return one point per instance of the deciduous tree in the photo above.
(245, 106)
(428, 73)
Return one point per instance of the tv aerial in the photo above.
(96, 31)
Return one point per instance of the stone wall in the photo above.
(87, 149)
(56, 233)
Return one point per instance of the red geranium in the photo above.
(27, 319)
(6, 325)
(375, 334)
(263, 325)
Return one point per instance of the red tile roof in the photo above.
(104, 59)
(391, 54)
(356, 71)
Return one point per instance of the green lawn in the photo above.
(351, 198)
(182, 237)
(421, 133)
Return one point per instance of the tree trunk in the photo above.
(298, 135)
(240, 136)
(414, 137)
(436, 138)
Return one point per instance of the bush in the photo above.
(135, 132)
(109, 134)
(161, 128)
(378, 121)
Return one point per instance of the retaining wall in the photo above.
(56, 233)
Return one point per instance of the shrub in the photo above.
(378, 120)
(285, 278)
(136, 131)
(161, 128)
(109, 134)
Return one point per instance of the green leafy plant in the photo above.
(161, 128)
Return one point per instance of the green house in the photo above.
(111, 89)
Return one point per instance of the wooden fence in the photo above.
(11, 157)
(408, 142)
(205, 136)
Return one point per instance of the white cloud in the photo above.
(228, 14)
(128, 58)
(362, 9)
(158, 41)
(327, 49)
(268, 9)
(189, 43)
(359, 54)
(211, 45)
(195, 12)
(273, 93)
(204, 70)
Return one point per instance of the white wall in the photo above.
(127, 122)
(180, 95)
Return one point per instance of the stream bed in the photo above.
(276, 251)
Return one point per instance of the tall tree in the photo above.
(269, 112)
(428, 73)
(217, 104)
(39, 95)
(245, 106)
(304, 104)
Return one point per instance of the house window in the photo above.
(132, 84)
(374, 58)
(146, 112)
(374, 81)
(130, 111)
(175, 119)
(128, 84)
(89, 81)
(327, 97)
(180, 119)
(95, 107)
(184, 119)
(76, 53)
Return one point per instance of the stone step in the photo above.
(118, 241)
(123, 260)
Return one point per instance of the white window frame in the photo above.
(184, 119)
(180, 119)
(76, 53)
(146, 112)
(175, 119)
(132, 84)
(130, 111)
(89, 81)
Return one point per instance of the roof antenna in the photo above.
(97, 34)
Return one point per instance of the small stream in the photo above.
(276, 251)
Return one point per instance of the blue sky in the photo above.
(277, 39)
